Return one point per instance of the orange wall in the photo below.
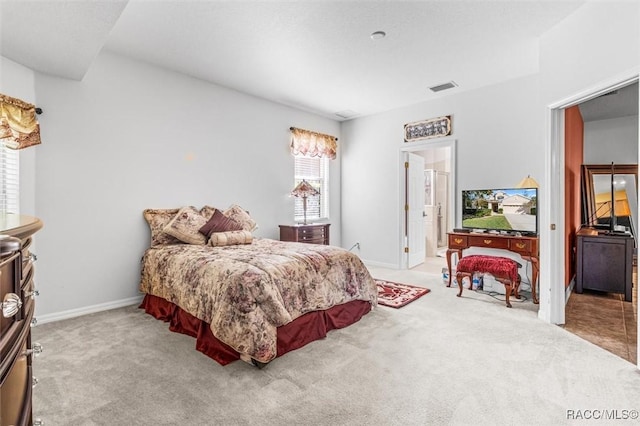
(573, 154)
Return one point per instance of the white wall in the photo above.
(599, 44)
(498, 129)
(17, 81)
(132, 136)
(610, 140)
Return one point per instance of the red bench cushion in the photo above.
(499, 267)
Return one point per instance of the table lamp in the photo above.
(304, 189)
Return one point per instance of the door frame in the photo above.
(450, 143)
(552, 262)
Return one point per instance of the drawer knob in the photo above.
(458, 240)
(487, 242)
(520, 245)
(11, 305)
(32, 294)
(36, 349)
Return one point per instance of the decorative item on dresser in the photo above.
(317, 233)
(17, 294)
(526, 247)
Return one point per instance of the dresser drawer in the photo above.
(488, 241)
(15, 391)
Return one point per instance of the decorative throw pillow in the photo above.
(157, 220)
(241, 216)
(219, 223)
(230, 238)
(185, 225)
(207, 211)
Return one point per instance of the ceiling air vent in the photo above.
(445, 86)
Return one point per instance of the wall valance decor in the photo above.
(426, 129)
(313, 144)
(19, 127)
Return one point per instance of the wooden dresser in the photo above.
(526, 247)
(17, 294)
(316, 233)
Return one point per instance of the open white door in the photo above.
(416, 243)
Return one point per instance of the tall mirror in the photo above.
(608, 201)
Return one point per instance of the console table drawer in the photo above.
(489, 241)
(521, 246)
(458, 241)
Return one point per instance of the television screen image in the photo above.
(507, 210)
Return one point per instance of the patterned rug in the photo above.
(397, 295)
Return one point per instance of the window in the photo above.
(9, 180)
(316, 171)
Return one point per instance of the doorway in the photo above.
(553, 308)
(437, 211)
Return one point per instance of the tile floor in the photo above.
(603, 319)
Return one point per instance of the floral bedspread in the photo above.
(246, 291)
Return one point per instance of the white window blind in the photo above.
(9, 180)
(316, 171)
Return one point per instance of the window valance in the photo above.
(313, 144)
(18, 125)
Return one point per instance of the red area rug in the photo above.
(397, 295)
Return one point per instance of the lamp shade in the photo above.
(528, 182)
(304, 189)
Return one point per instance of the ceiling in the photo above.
(313, 55)
(622, 102)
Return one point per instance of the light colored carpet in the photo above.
(440, 360)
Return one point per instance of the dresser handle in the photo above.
(36, 349)
(488, 241)
(520, 245)
(458, 240)
(11, 305)
(32, 294)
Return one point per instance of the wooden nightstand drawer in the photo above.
(313, 234)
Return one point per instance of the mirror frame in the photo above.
(588, 196)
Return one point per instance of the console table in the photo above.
(526, 247)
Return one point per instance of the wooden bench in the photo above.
(503, 269)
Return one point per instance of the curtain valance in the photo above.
(313, 144)
(18, 125)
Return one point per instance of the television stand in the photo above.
(605, 261)
(526, 247)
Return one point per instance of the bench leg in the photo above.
(460, 278)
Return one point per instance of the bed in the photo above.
(253, 301)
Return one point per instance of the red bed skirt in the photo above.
(305, 329)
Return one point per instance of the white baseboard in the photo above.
(72, 313)
(380, 264)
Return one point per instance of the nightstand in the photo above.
(314, 233)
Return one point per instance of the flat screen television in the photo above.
(510, 210)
